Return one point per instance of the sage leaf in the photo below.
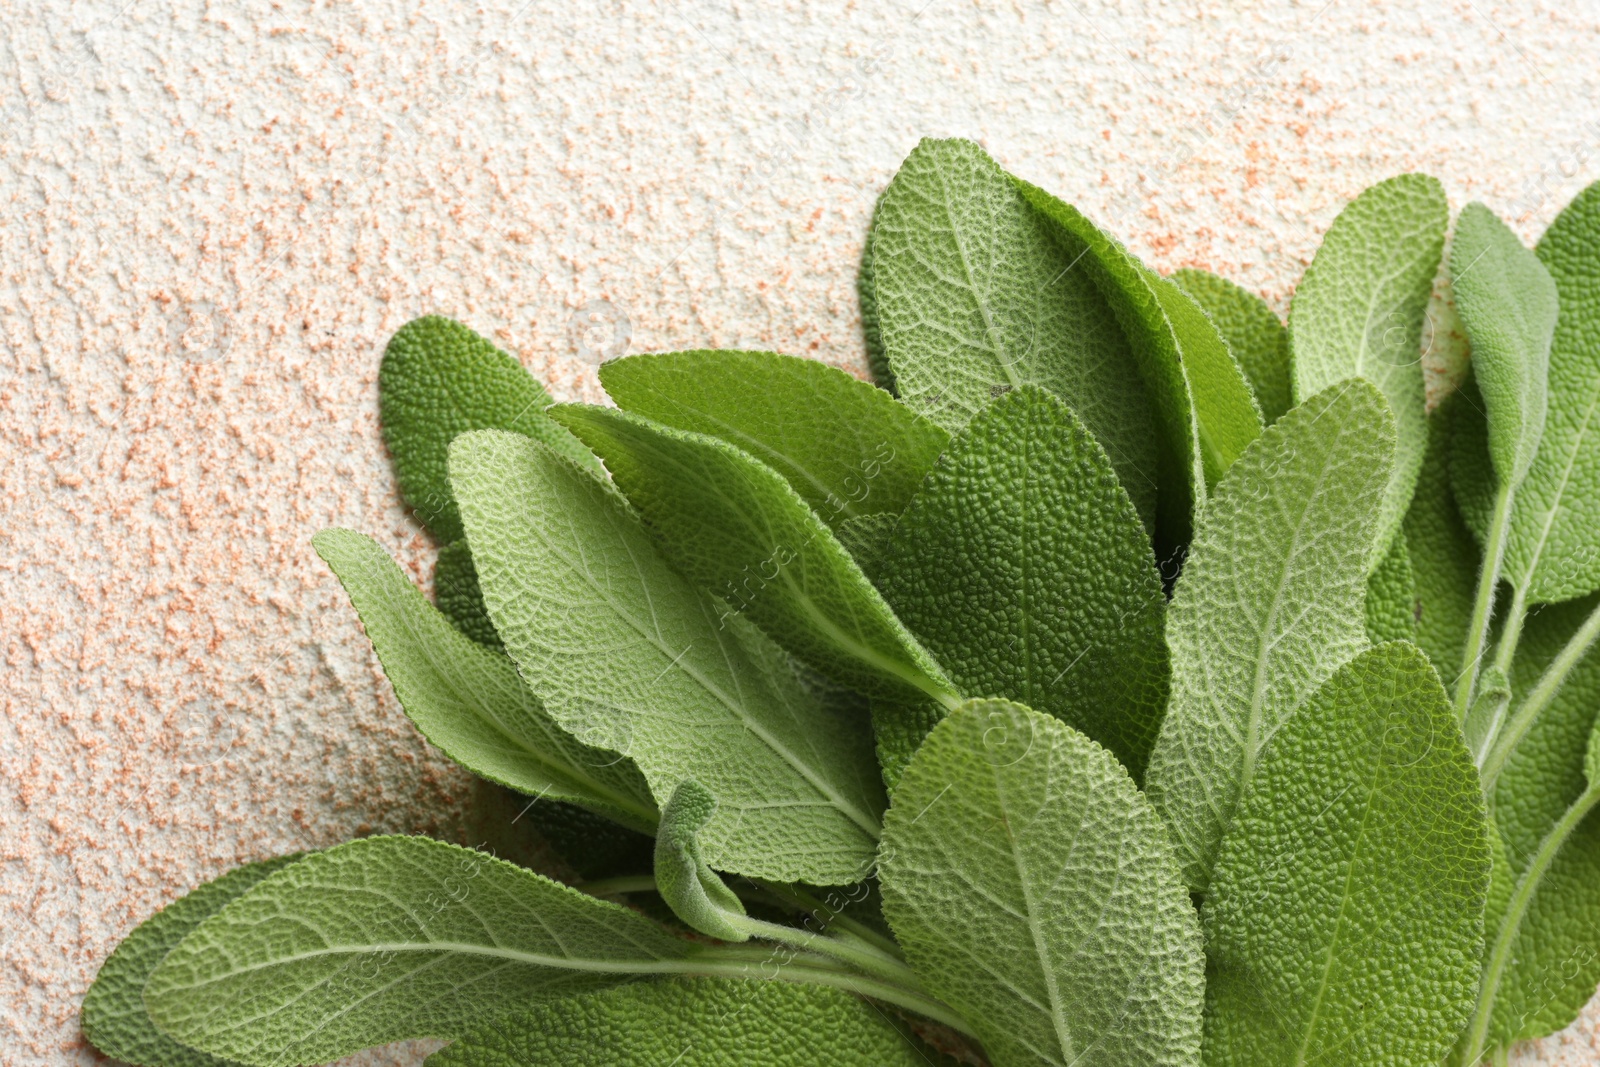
(1204, 409)
(867, 298)
(1444, 557)
(691, 888)
(469, 702)
(1359, 311)
(691, 1022)
(438, 379)
(1554, 961)
(1345, 918)
(456, 592)
(1271, 601)
(1507, 303)
(390, 938)
(1023, 567)
(626, 655)
(1033, 889)
(114, 1015)
(846, 447)
(734, 527)
(976, 295)
(1255, 336)
(1392, 597)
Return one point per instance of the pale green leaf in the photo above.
(1024, 569)
(1507, 303)
(456, 592)
(735, 528)
(627, 655)
(1392, 597)
(1034, 890)
(1359, 310)
(114, 1016)
(1204, 409)
(1444, 557)
(1254, 334)
(689, 886)
(692, 1022)
(975, 295)
(391, 938)
(1345, 918)
(468, 701)
(1271, 601)
(845, 446)
(438, 379)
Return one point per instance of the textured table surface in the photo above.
(215, 213)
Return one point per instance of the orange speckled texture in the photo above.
(215, 213)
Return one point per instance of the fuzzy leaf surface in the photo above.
(734, 527)
(390, 938)
(1444, 557)
(848, 448)
(438, 379)
(1033, 889)
(468, 701)
(1024, 569)
(1271, 601)
(1345, 918)
(1359, 311)
(114, 1015)
(1254, 334)
(456, 592)
(976, 295)
(1392, 597)
(1205, 412)
(691, 1022)
(867, 297)
(626, 655)
(1507, 302)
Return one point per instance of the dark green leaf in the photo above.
(1254, 334)
(1392, 597)
(456, 592)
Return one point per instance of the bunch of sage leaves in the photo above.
(1125, 678)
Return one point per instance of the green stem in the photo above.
(1502, 1056)
(830, 916)
(1494, 551)
(741, 962)
(864, 958)
(1522, 896)
(1549, 684)
(629, 883)
(1512, 634)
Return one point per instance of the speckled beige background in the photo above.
(213, 214)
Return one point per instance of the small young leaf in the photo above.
(114, 1016)
(1033, 889)
(456, 592)
(627, 655)
(734, 527)
(1358, 312)
(390, 938)
(691, 888)
(1444, 557)
(1254, 334)
(469, 701)
(1345, 918)
(867, 296)
(1507, 302)
(1203, 405)
(438, 379)
(846, 447)
(976, 296)
(1271, 601)
(1023, 567)
(1392, 597)
(691, 1022)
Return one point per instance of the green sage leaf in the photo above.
(975, 295)
(114, 1015)
(867, 297)
(1271, 601)
(1033, 889)
(628, 656)
(1024, 569)
(734, 527)
(438, 379)
(1359, 311)
(691, 1022)
(391, 938)
(691, 888)
(1444, 557)
(1345, 918)
(1392, 597)
(456, 592)
(1255, 335)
